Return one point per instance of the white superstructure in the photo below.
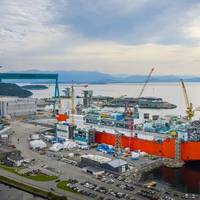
(62, 130)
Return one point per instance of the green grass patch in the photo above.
(41, 177)
(63, 185)
(35, 177)
(30, 189)
(10, 169)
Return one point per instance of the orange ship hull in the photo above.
(189, 150)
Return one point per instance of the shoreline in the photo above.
(30, 189)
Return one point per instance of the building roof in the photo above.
(4, 130)
(97, 158)
(117, 163)
(9, 98)
(37, 143)
(15, 156)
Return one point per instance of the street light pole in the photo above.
(0, 73)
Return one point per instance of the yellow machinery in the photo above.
(189, 110)
(73, 101)
(173, 133)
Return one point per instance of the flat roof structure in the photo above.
(117, 163)
(97, 158)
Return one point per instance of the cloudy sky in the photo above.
(112, 36)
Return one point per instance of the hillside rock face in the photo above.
(10, 89)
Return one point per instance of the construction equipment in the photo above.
(131, 113)
(189, 110)
(146, 82)
(73, 101)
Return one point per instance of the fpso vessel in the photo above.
(171, 137)
(189, 150)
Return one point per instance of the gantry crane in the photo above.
(189, 110)
(73, 101)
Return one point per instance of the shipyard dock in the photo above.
(66, 167)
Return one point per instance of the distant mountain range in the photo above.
(103, 78)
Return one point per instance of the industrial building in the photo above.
(107, 164)
(11, 106)
(87, 98)
(94, 171)
(5, 132)
(83, 136)
(62, 130)
(37, 144)
(13, 159)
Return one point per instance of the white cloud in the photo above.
(26, 25)
(192, 28)
(119, 58)
(31, 38)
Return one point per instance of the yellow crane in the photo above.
(189, 110)
(73, 101)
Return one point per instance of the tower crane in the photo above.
(73, 86)
(189, 110)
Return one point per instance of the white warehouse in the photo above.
(11, 106)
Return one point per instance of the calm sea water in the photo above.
(171, 92)
(9, 193)
(186, 179)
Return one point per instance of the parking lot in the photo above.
(109, 186)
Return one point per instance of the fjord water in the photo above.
(9, 193)
(171, 92)
(186, 179)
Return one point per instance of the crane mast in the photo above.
(73, 106)
(131, 113)
(189, 110)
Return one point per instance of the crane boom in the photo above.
(189, 110)
(185, 93)
(145, 83)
